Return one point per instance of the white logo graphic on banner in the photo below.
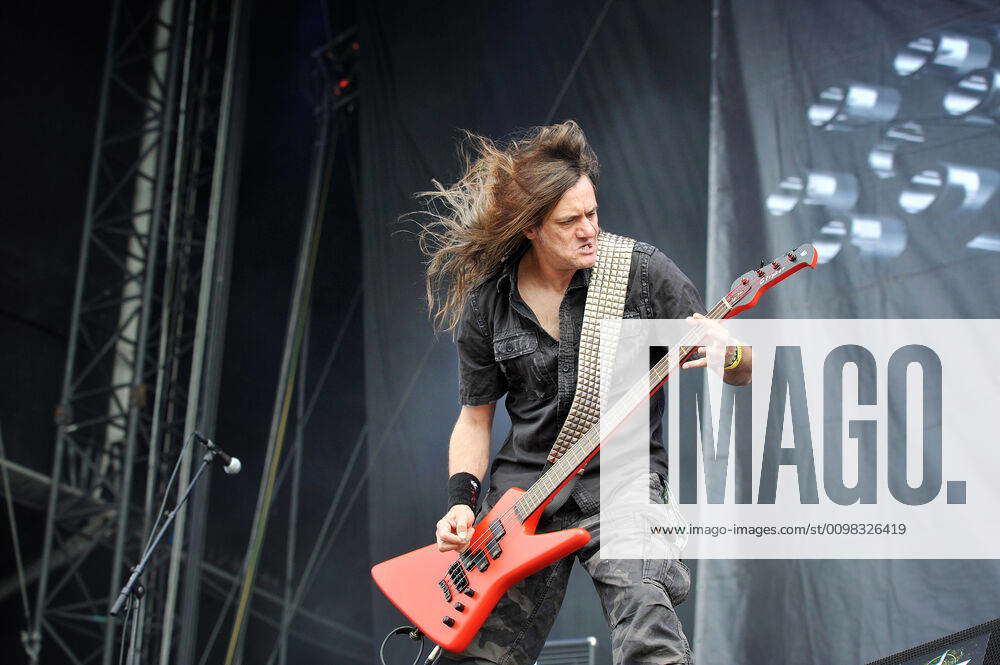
(857, 438)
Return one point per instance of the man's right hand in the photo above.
(455, 528)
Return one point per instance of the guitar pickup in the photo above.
(468, 559)
(497, 529)
(493, 548)
(458, 577)
(477, 559)
(445, 590)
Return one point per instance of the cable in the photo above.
(15, 541)
(128, 615)
(576, 63)
(323, 547)
(166, 492)
(317, 390)
(412, 632)
(325, 151)
(207, 651)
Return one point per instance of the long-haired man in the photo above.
(511, 246)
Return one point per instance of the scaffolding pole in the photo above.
(206, 365)
(157, 178)
(104, 383)
(319, 183)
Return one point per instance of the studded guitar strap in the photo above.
(605, 300)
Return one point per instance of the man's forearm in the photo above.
(469, 448)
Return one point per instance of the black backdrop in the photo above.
(773, 59)
(641, 94)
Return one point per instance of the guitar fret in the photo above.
(591, 442)
(566, 465)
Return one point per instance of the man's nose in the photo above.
(587, 229)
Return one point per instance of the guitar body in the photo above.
(449, 595)
(498, 557)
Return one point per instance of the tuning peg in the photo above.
(775, 265)
(763, 263)
(791, 256)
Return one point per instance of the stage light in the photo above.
(989, 242)
(949, 189)
(830, 240)
(786, 198)
(845, 107)
(948, 53)
(976, 98)
(880, 236)
(825, 188)
(873, 235)
(884, 157)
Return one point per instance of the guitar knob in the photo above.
(448, 621)
(460, 607)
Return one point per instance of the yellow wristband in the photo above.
(736, 360)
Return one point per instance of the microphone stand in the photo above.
(133, 592)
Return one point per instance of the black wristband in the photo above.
(463, 488)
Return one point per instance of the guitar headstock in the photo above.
(748, 287)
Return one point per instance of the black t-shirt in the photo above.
(502, 349)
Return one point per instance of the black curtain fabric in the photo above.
(878, 110)
(429, 69)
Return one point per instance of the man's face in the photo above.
(567, 239)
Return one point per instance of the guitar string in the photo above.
(631, 400)
(479, 555)
(718, 311)
(723, 308)
(627, 403)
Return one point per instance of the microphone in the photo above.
(231, 465)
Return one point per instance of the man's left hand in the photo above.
(720, 346)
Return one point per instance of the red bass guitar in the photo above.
(448, 595)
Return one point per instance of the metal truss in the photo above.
(154, 224)
(144, 355)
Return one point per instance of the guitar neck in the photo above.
(744, 294)
(557, 475)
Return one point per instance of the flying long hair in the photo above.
(469, 228)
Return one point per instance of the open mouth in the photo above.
(587, 248)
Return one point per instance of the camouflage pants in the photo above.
(638, 597)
